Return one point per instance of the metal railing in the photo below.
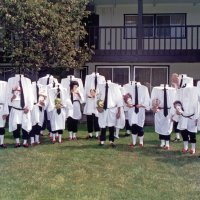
(154, 38)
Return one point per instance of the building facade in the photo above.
(144, 40)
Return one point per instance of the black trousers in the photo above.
(175, 127)
(35, 130)
(46, 123)
(2, 131)
(60, 132)
(137, 130)
(17, 133)
(164, 137)
(127, 125)
(72, 124)
(188, 136)
(111, 134)
(92, 123)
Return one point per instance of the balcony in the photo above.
(153, 44)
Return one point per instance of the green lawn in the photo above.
(82, 170)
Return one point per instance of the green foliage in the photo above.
(42, 33)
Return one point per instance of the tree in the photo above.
(44, 33)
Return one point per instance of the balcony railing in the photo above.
(154, 39)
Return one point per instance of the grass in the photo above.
(82, 170)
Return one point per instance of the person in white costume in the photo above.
(37, 113)
(187, 107)
(47, 79)
(75, 90)
(20, 99)
(137, 99)
(175, 82)
(4, 112)
(109, 103)
(50, 81)
(59, 106)
(162, 99)
(90, 109)
(121, 121)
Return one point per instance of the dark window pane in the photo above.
(121, 75)
(107, 72)
(143, 75)
(159, 76)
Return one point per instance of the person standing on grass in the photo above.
(75, 91)
(49, 81)
(20, 98)
(120, 123)
(90, 109)
(137, 99)
(37, 113)
(4, 112)
(59, 106)
(109, 104)
(187, 108)
(175, 82)
(162, 99)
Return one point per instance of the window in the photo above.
(131, 21)
(117, 74)
(151, 76)
(170, 25)
(156, 25)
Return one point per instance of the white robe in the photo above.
(76, 113)
(18, 116)
(43, 80)
(65, 82)
(164, 125)
(90, 103)
(58, 120)
(115, 100)
(3, 103)
(143, 99)
(37, 116)
(189, 98)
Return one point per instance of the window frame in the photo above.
(155, 36)
(151, 67)
(115, 66)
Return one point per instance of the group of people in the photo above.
(33, 106)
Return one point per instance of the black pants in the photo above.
(46, 123)
(92, 123)
(72, 124)
(127, 125)
(2, 131)
(175, 127)
(137, 130)
(164, 137)
(188, 136)
(17, 133)
(35, 130)
(60, 132)
(111, 134)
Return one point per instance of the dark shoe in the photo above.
(113, 145)
(25, 145)
(3, 146)
(17, 145)
(89, 137)
(97, 138)
(126, 135)
(101, 145)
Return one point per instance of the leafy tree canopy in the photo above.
(44, 33)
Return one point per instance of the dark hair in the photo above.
(72, 84)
